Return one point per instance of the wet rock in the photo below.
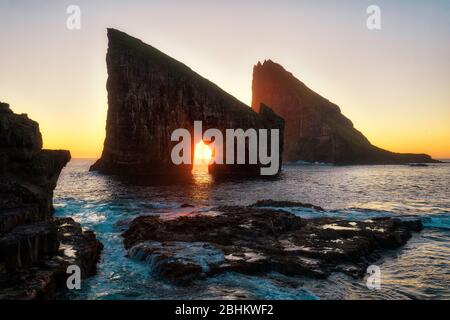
(27, 245)
(287, 204)
(77, 246)
(315, 128)
(149, 96)
(253, 240)
(179, 262)
(42, 280)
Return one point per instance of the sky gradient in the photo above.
(394, 84)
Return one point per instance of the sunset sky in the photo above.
(393, 83)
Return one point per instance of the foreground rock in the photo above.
(30, 239)
(316, 130)
(41, 280)
(149, 96)
(252, 240)
(285, 204)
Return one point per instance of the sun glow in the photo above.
(202, 153)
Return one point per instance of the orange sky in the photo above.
(393, 83)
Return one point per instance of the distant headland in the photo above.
(316, 130)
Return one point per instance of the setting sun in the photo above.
(202, 153)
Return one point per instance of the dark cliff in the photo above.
(315, 129)
(31, 262)
(151, 94)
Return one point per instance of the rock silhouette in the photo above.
(149, 96)
(35, 248)
(315, 129)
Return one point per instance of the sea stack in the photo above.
(34, 245)
(149, 96)
(315, 128)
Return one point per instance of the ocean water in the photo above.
(419, 270)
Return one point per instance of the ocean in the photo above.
(418, 270)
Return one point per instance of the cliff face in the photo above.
(151, 94)
(316, 130)
(30, 258)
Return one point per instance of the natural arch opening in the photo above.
(203, 156)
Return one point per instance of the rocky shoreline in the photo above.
(255, 239)
(35, 248)
(44, 279)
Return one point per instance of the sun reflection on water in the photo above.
(202, 180)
